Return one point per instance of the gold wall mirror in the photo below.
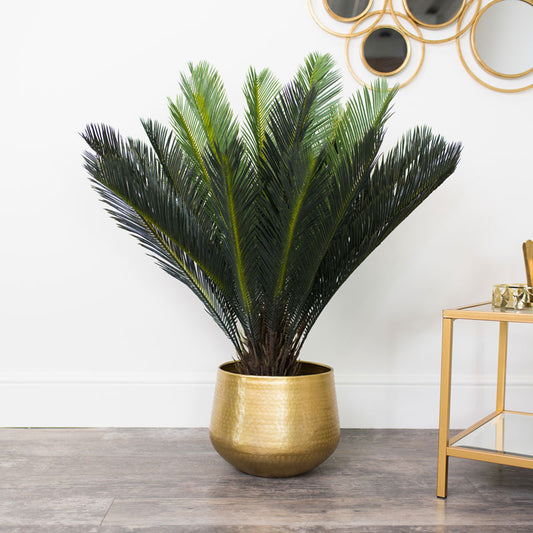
(433, 13)
(385, 51)
(500, 34)
(347, 10)
(502, 38)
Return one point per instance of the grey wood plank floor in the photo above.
(171, 480)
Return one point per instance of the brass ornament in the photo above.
(517, 296)
(274, 426)
(464, 24)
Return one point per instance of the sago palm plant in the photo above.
(265, 222)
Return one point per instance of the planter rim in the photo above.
(327, 370)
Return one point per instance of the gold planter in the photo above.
(275, 426)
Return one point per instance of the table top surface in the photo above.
(486, 311)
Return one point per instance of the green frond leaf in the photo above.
(260, 90)
(398, 184)
(234, 191)
(320, 77)
(131, 171)
(173, 261)
(189, 185)
(369, 108)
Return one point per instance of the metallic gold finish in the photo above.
(527, 248)
(343, 19)
(343, 35)
(475, 50)
(471, 72)
(502, 366)
(388, 9)
(400, 68)
(444, 415)
(491, 457)
(275, 426)
(517, 296)
(458, 34)
(500, 434)
(347, 45)
(486, 311)
(432, 26)
(452, 448)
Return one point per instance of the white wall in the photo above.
(93, 334)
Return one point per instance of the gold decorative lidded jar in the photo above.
(275, 426)
(515, 296)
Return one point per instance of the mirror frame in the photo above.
(475, 51)
(404, 62)
(433, 26)
(350, 19)
(467, 19)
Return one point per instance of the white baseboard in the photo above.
(162, 400)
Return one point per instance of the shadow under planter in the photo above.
(275, 426)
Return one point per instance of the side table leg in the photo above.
(444, 418)
(502, 364)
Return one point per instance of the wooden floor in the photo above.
(171, 480)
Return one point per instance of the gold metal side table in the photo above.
(494, 437)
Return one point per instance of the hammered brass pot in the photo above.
(275, 426)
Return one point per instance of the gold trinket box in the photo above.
(512, 296)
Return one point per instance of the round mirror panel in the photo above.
(433, 13)
(385, 51)
(502, 38)
(347, 10)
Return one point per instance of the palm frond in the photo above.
(171, 259)
(332, 182)
(218, 155)
(129, 169)
(234, 192)
(319, 76)
(328, 200)
(202, 116)
(260, 90)
(369, 108)
(351, 154)
(192, 190)
(398, 184)
(285, 173)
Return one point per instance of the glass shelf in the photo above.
(486, 311)
(508, 432)
(489, 308)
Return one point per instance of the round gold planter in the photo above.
(275, 426)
